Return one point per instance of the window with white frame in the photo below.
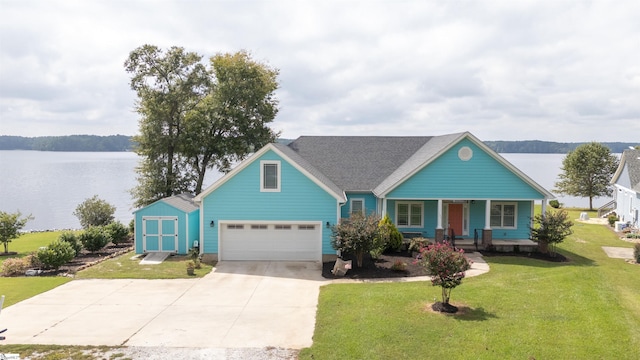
(409, 214)
(357, 205)
(270, 176)
(503, 215)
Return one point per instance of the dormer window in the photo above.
(270, 176)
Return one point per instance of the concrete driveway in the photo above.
(240, 304)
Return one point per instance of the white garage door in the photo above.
(294, 241)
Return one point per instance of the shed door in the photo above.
(294, 241)
(159, 233)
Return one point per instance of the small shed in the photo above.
(168, 225)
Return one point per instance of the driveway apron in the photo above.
(239, 304)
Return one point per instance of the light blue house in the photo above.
(168, 225)
(626, 182)
(280, 203)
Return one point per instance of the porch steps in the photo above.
(499, 245)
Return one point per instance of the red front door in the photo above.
(455, 218)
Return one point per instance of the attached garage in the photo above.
(168, 225)
(263, 240)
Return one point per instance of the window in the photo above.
(283, 227)
(235, 226)
(409, 214)
(306, 227)
(357, 205)
(503, 215)
(259, 227)
(269, 176)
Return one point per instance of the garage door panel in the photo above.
(270, 242)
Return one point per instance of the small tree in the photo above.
(356, 235)
(10, 226)
(447, 267)
(550, 229)
(94, 212)
(94, 238)
(56, 254)
(587, 171)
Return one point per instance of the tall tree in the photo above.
(195, 118)
(232, 120)
(586, 172)
(10, 226)
(169, 85)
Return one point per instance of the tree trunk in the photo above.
(590, 203)
(543, 247)
(359, 256)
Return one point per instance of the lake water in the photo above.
(50, 185)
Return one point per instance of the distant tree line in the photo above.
(67, 143)
(125, 143)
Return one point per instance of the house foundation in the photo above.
(487, 238)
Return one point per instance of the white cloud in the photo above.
(559, 71)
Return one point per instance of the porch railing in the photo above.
(604, 209)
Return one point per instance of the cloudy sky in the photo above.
(564, 70)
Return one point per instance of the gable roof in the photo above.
(183, 202)
(357, 163)
(292, 158)
(630, 159)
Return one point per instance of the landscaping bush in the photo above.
(94, 239)
(356, 236)
(550, 229)
(15, 266)
(636, 253)
(612, 219)
(633, 236)
(132, 226)
(56, 254)
(554, 204)
(71, 238)
(447, 267)
(418, 243)
(388, 234)
(117, 232)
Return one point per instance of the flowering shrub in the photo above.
(446, 266)
(356, 236)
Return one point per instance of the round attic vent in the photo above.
(465, 153)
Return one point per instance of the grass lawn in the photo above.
(523, 308)
(126, 267)
(17, 289)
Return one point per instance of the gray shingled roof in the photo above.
(632, 161)
(357, 163)
(182, 202)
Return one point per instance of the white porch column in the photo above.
(544, 206)
(384, 207)
(487, 215)
(439, 224)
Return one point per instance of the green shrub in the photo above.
(132, 226)
(418, 243)
(399, 265)
(388, 234)
(15, 266)
(554, 204)
(612, 219)
(56, 254)
(550, 229)
(117, 232)
(356, 236)
(71, 238)
(636, 253)
(633, 236)
(94, 212)
(94, 238)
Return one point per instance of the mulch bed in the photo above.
(381, 268)
(86, 259)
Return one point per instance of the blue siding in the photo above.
(239, 198)
(476, 219)
(482, 177)
(163, 209)
(370, 203)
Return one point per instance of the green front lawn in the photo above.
(16, 289)
(128, 267)
(588, 308)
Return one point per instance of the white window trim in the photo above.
(515, 214)
(278, 174)
(351, 205)
(409, 203)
